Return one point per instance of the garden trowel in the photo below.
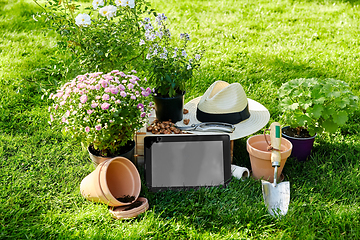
(276, 196)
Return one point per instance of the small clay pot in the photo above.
(114, 179)
(260, 157)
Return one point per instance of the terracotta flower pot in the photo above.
(99, 159)
(111, 180)
(260, 157)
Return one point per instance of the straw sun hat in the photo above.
(224, 102)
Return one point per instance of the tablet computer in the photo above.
(187, 161)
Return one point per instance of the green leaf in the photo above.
(340, 118)
(342, 102)
(320, 100)
(316, 111)
(303, 120)
(330, 126)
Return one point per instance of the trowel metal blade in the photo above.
(277, 198)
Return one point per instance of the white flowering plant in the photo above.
(102, 110)
(172, 63)
(103, 36)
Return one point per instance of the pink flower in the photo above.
(80, 105)
(117, 101)
(83, 99)
(105, 97)
(140, 105)
(105, 106)
(81, 85)
(134, 71)
(97, 97)
(87, 129)
(51, 118)
(122, 74)
(76, 90)
(94, 104)
(49, 109)
(97, 86)
(130, 86)
(133, 97)
(62, 103)
(123, 94)
(90, 111)
(124, 81)
(122, 88)
(107, 90)
(114, 71)
(103, 83)
(98, 127)
(81, 78)
(143, 114)
(114, 90)
(64, 120)
(56, 107)
(67, 114)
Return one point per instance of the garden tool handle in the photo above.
(275, 138)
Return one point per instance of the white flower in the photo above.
(108, 11)
(197, 56)
(97, 3)
(188, 67)
(142, 42)
(124, 3)
(83, 19)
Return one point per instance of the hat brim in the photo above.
(259, 117)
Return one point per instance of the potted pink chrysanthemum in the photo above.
(102, 111)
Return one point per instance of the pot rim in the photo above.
(268, 152)
(295, 138)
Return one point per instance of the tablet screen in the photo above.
(187, 161)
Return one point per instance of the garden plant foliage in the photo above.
(261, 44)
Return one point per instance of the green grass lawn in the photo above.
(260, 44)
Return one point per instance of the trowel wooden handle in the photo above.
(275, 138)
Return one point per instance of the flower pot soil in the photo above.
(133, 205)
(299, 132)
(124, 149)
(126, 199)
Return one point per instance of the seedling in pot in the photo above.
(317, 105)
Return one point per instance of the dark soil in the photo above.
(299, 132)
(133, 205)
(126, 199)
(121, 150)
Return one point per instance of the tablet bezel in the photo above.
(149, 140)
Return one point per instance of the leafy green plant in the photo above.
(102, 36)
(317, 104)
(172, 64)
(101, 110)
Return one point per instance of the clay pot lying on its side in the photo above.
(115, 182)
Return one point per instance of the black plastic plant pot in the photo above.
(301, 146)
(169, 108)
